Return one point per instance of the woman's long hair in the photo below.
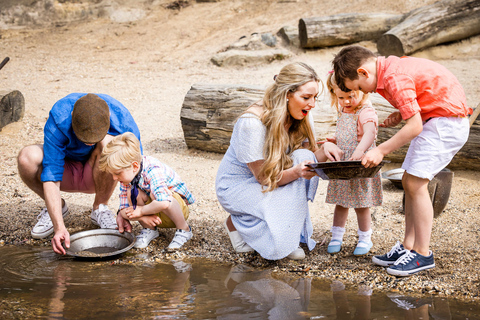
(279, 144)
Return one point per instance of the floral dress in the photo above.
(354, 193)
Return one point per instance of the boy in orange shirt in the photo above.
(432, 102)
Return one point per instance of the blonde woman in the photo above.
(263, 181)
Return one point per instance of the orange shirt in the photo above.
(415, 85)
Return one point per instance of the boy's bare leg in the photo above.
(174, 212)
(418, 214)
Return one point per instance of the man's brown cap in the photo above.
(90, 119)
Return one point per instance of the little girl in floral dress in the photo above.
(355, 134)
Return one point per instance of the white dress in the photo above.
(272, 223)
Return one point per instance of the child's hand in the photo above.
(133, 214)
(357, 155)
(372, 158)
(150, 221)
(392, 120)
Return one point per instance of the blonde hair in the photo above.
(279, 144)
(332, 86)
(120, 153)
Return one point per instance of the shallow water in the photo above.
(37, 283)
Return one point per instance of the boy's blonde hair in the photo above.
(120, 153)
(275, 115)
(332, 86)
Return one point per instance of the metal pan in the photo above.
(345, 170)
(99, 243)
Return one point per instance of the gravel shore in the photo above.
(151, 74)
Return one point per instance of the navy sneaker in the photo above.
(411, 262)
(389, 258)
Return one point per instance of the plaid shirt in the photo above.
(159, 180)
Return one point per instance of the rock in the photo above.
(12, 107)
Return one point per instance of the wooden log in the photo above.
(12, 107)
(209, 113)
(346, 28)
(441, 22)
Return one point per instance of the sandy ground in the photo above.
(149, 65)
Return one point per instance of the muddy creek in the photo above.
(37, 283)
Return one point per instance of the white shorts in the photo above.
(434, 148)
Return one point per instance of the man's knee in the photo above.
(29, 157)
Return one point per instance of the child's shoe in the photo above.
(362, 248)
(145, 237)
(364, 242)
(335, 244)
(389, 258)
(181, 236)
(410, 263)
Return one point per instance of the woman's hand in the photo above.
(304, 171)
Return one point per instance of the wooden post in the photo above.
(440, 22)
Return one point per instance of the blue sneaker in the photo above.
(389, 258)
(362, 248)
(410, 263)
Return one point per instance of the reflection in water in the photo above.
(36, 283)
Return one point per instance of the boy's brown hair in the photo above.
(346, 63)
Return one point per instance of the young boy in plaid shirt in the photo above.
(150, 191)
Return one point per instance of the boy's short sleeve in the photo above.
(403, 92)
(248, 139)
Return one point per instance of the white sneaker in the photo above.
(145, 237)
(181, 236)
(297, 254)
(44, 226)
(104, 218)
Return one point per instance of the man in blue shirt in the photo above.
(77, 129)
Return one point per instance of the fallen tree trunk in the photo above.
(441, 22)
(346, 28)
(209, 113)
(12, 107)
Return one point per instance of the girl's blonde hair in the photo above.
(332, 86)
(279, 144)
(120, 153)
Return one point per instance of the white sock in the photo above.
(365, 237)
(337, 233)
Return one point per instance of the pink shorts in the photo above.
(77, 177)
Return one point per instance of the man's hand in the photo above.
(123, 224)
(60, 236)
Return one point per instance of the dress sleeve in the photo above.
(248, 139)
